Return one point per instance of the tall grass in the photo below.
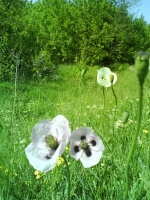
(81, 101)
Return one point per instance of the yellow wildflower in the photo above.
(38, 176)
(145, 131)
(67, 148)
(60, 161)
(37, 172)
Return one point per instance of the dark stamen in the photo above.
(93, 142)
(88, 152)
(83, 137)
(76, 149)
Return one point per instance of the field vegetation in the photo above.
(80, 100)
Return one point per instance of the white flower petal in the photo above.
(105, 71)
(60, 128)
(73, 153)
(115, 78)
(78, 133)
(99, 144)
(103, 77)
(92, 160)
(43, 165)
(39, 152)
(40, 131)
(95, 144)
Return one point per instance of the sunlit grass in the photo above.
(81, 101)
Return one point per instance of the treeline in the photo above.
(35, 37)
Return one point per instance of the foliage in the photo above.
(90, 32)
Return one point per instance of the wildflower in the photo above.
(118, 124)
(38, 176)
(88, 107)
(86, 146)
(37, 172)
(67, 148)
(105, 77)
(60, 161)
(145, 131)
(49, 140)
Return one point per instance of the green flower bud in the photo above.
(125, 117)
(141, 65)
(83, 145)
(51, 142)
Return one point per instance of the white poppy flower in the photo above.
(86, 146)
(105, 77)
(49, 140)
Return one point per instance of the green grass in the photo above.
(81, 101)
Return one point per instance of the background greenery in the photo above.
(23, 104)
(35, 37)
(49, 56)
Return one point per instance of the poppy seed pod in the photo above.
(141, 65)
(125, 117)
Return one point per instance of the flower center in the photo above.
(51, 142)
(83, 145)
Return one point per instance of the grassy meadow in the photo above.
(80, 100)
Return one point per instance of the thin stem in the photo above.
(68, 172)
(115, 106)
(103, 97)
(134, 138)
(116, 102)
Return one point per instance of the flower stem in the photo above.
(114, 96)
(116, 102)
(134, 138)
(68, 172)
(103, 97)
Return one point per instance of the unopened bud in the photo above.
(125, 117)
(141, 65)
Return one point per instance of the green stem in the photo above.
(68, 172)
(114, 95)
(134, 138)
(103, 97)
(115, 106)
